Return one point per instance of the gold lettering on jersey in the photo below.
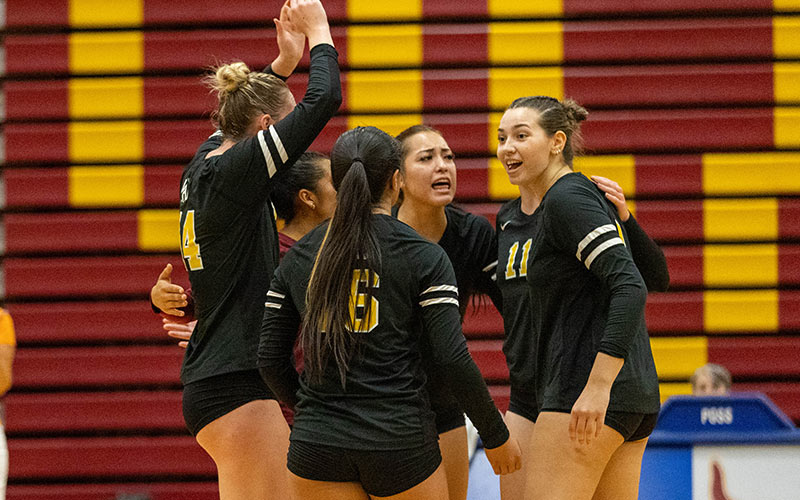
(512, 253)
(358, 302)
(511, 273)
(523, 265)
(190, 249)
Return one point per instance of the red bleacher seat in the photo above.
(109, 366)
(208, 490)
(84, 322)
(113, 458)
(93, 412)
(71, 277)
(748, 357)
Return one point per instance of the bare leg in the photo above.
(561, 469)
(306, 489)
(432, 488)
(455, 461)
(512, 486)
(620, 480)
(249, 446)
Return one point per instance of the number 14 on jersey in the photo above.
(190, 249)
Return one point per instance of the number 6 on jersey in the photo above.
(189, 247)
(358, 303)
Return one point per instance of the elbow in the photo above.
(332, 100)
(660, 284)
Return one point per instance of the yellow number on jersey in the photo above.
(359, 300)
(189, 247)
(512, 255)
(523, 265)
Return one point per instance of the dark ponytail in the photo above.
(362, 163)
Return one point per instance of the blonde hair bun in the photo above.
(229, 78)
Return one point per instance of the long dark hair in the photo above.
(362, 163)
(304, 174)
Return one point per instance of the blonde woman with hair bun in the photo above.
(229, 245)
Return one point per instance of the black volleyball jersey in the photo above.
(229, 240)
(470, 243)
(587, 296)
(515, 231)
(385, 405)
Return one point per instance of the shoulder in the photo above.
(467, 225)
(570, 194)
(199, 164)
(305, 249)
(408, 241)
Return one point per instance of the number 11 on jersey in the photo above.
(189, 247)
(512, 255)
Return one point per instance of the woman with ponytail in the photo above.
(574, 271)
(368, 290)
(230, 248)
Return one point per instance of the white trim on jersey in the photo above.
(275, 294)
(272, 305)
(262, 141)
(600, 249)
(489, 267)
(440, 300)
(441, 288)
(278, 144)
(591, 237)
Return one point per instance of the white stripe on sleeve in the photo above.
(440, 300)
(275, 294)
(271, 169)
(272, 305)
(591, 237)
(278, 144)
(489, 267)
(441, 288)
(600, 249)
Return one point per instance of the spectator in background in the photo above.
(711, 380)
(8, 346)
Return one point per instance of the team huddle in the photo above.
(350, 316)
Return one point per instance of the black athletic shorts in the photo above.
(381, 473)
(523, 404)
(208, 399)
(632, 426)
